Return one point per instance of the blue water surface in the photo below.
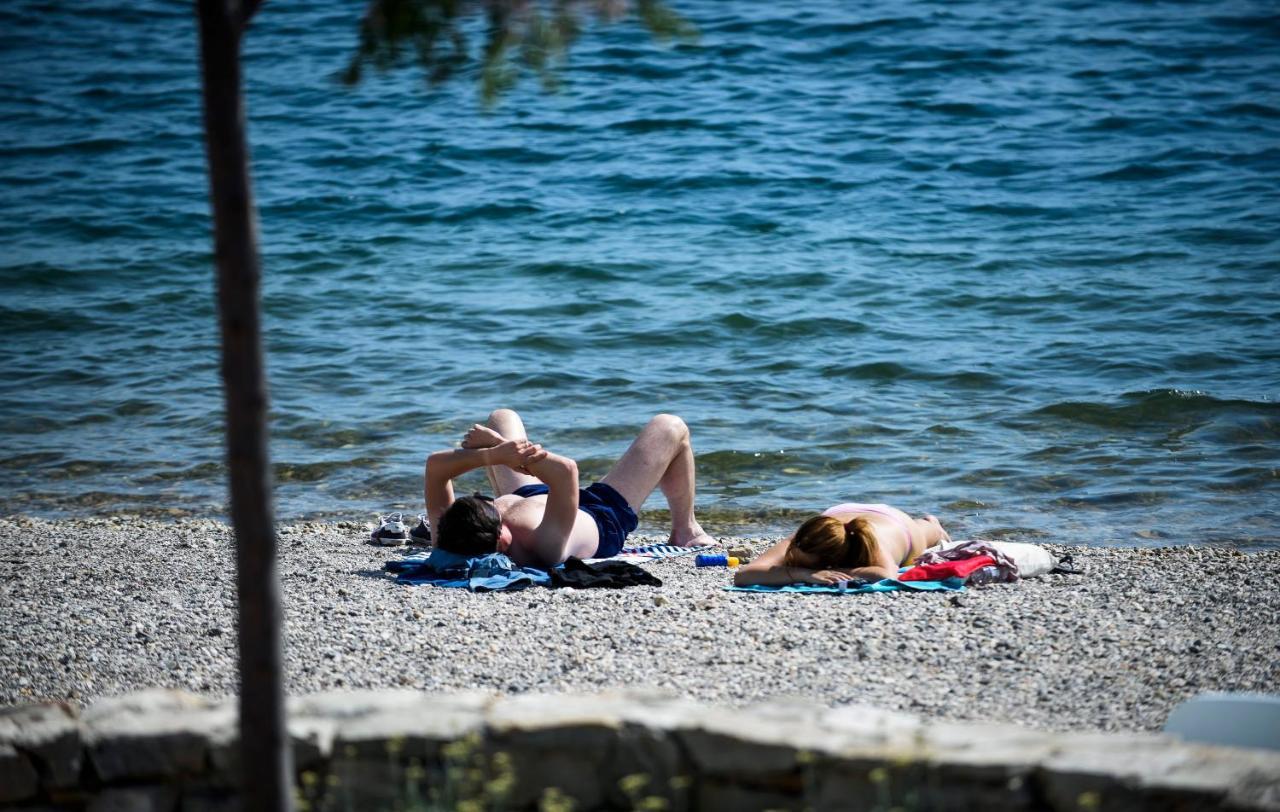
(1015, 264)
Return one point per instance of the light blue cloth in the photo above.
(887, 585)
(494, 572)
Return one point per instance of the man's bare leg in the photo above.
(661, 457)
(504, 480)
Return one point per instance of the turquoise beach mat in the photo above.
(887, 585)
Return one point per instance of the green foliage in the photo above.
(472, 777)
(472, 781)
(521, 35)
(634, 786)
(554, 800)
(466, 779)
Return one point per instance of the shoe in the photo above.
(390, 532)
(421, 534)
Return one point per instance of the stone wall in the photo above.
(160, 751)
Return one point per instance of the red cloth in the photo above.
(947, 569)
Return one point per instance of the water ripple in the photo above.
(1012, 263)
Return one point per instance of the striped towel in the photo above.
(653, 552)
(647, 552)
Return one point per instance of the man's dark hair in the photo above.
(470, 527)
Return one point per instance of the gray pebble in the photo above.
(125, 603)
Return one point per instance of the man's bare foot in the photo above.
(479, 436)
(693, 536)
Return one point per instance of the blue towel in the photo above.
(494, 572)
(887, 585)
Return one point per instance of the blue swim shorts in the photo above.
(613, 516)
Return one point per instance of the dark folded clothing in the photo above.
(498, 573)
(576, 573)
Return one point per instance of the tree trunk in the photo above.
(264, 751)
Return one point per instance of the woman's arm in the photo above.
(869, 573)
(765, 569)
(782, 575)
(769, 569)
(777, 576)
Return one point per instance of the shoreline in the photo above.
(748, 524)
(97, 607)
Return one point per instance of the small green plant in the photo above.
(466, 780)
(553, 800)
(1088, 800)
(634, 786)
(879, 778)
(471, 781)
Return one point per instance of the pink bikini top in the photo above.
(879, 510)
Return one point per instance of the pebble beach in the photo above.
(97, 607)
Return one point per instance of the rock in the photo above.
(765, 738)
(50, 734)
(135, 799)
(367, 723)
(734, 795)
(1127, 769)
(572, 744)
(18, 777)
(209, 800)
(155, 733)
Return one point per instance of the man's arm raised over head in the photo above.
(551, 538)
(443, 466)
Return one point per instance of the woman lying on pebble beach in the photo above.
(845, 541)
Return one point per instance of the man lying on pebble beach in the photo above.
(540, 517)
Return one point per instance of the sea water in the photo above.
(1011, 263)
